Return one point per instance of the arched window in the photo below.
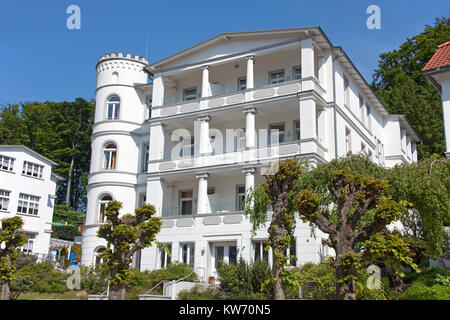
(102, 206)
(110, 155)
(97, 258)
(113, 108)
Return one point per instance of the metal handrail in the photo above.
(173, 281)
(162, 281)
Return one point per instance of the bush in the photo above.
(44, 278)
(94, 280)
(25, 259)
(197, 293)
(245, 281)
(431, 284)
(20, 284)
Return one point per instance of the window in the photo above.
(242, 83)
(296, 73)
(403, 140)
(187, 253)
(6, 163)
(32, 169)
(145, 157)
(362, 112)
(297, 129)
(4, 200)
(232, 254)
(28, 204)
(239, 139)
(240, 197)
(369, 153)
(102, 206)
(165, 258)
(276, 133)
(189, 94)
(142, 199)
(110, 154)
(363, 147)
(28, 246)
(261, 251)
(276, 77)
(346, 91)
(186, 202)
(115, 77)
(380, 152)
(369, 123)
(291, 253)
(149, 107)
(188, 146)
(98, 259)
(348, 141)
(113, 108)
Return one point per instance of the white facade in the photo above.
(213, 107)
(27, 190)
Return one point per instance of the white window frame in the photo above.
(165, 259)
(239, 195)
(30, 242)
(190, 96)
(296, 75)
(279, 79)
(191, 198)
(241, 87)
(148, 102)
(28, 204)
(258, 247)
(296, 127)
(4, 200)
(346, 91)
(145, 155)
(114, 105)
(6, 162)
(189, 249)
(281, 133)
(108, 160)
(34, 170)
(103, 203)
(348, 140)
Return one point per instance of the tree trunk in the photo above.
(345, 290)
(69, 180)
(117, 292)
(396, 281)
(5, 291)
(278, 286)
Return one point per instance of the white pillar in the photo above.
(158, 91)
(205, 82)
(155, 194)
(308, 125)
(204, 146)
(249, 178)
(157, 138)
(445, 84)
(307, 58)
(250, 78)
(202, 196)
(250, 132)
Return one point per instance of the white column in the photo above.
(308, 124)
(445, 84)
(204, 146)
(158, 91)
(249, 178)
(157, 139)
(250, 132)
(202, 196)
(250, 78)
(307, 58)
(205, 82)
(155, 194)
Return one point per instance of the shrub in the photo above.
(44, 278)
(20, 284)
(25, 259)
(94, 280)
(244, 281)
(431, 284)
(197, 293)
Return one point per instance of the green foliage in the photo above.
(431, 284)
(403, 89)
(426, 185)
(94, 279)
(20, 284)
(198, 293)
(363, 292)
(44, 278)
(125, 236)
(323, 276)
(58, 130)
(65, 232)
(244, 281)
(256, 203)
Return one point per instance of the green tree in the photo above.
(274, 192)
(10, 240)
(348, 199)
(426, 185)
(401, 86)
(125, 236)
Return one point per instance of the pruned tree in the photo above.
(348, 199)
(125, 236)
(10, 240)
(274, 192)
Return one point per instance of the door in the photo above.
(225, 251)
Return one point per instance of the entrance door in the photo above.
(225, 251)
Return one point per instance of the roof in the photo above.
(441, 58)
(6, 146)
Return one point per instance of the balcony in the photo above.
(236, 98)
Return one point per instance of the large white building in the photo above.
(27, 190)
(193, 140)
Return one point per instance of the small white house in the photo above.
(27, 190)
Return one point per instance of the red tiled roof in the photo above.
(440, 58)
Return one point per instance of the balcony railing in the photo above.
(234, 98)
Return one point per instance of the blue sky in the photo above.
(40, 59)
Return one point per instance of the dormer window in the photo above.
(113, 108)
